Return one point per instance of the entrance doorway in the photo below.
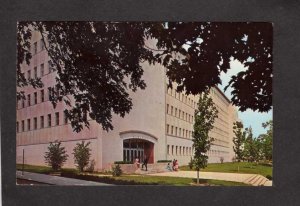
(137, 148)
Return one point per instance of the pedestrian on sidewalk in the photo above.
(176, 165)
(145, 163)
(137, 162)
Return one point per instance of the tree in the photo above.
(205, 116)
(82, 155)
(251, 147)
(267, 141)
(56, 155)
(238, 140)
(94, 60)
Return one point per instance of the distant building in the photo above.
(160, 124)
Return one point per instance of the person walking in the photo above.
(145, 163)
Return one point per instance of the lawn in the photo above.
(128, 179)
(150, 180)
(41, 169)
(236, 167)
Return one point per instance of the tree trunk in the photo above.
(197, 177)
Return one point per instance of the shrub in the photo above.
(221, 160)
(162, 161)
(269, 177)
(56, 155)
(116, 170)
(82, 155)
(91, 166)
(123, 162)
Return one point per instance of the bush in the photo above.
(91, 167)
(56, 155)
(82, 155)
(162, 161)
(269, 177)
(123, 162)
(116, 170)
(221, 160)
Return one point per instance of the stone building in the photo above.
(160, 124)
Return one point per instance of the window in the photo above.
(179, 113)
(179, 132)
(56, 118)
(50, 69)
(42, 121)
(183, 152)
(29, 74)
(17, 127)
(49, 93)
(171, 110)
(42, 45)
(35, 97)
(171, 130)
(183, 132)
(167, 109)
(180, 150)
(49, 120)
(42, 96)
(172, 149)
(23, 103)
(65, 117)
(42, 70)
(176, 131)
(35, 72)
(168, 149)
(35, 123)
(167, 129)
(175, 112)
(35, 48)
(28, 124)
(186, 135)
(176, 151)
(28, 100)
(23, 126)
(183, 115)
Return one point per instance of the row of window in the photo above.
(42, 70)
(220, 96)
(182, 97)
(33, 125)
(176, 131)
(179, 150)
(180, 114)
(51, 92)
(217, 152)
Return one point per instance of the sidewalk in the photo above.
(56, 180)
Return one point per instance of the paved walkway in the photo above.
(56, 180)
(252, 179)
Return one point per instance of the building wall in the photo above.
(160, 115)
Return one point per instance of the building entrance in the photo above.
(137, 148)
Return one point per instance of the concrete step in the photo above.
(261, 181)
(250, 179)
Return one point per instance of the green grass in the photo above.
(232, 167)
(42, 169)
(175, 181)
(128, 179)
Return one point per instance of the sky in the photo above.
(249, 117)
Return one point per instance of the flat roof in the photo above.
(222, 94)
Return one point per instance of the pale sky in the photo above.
(249, 118)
